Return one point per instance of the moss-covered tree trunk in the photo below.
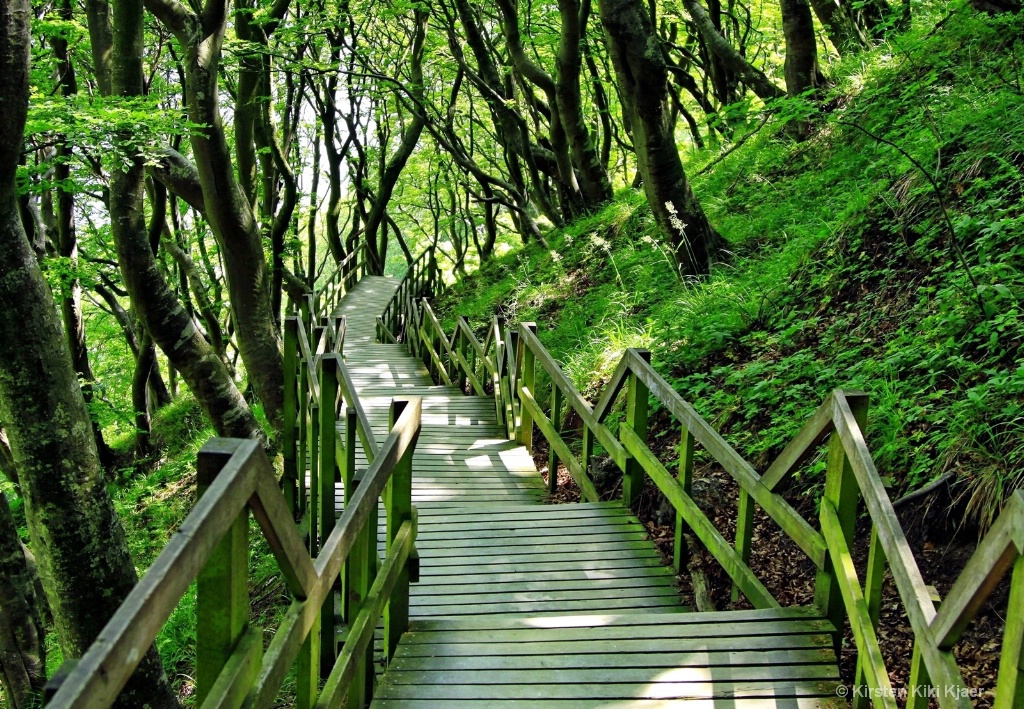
(22, 652)
(83, 555)
(643, 85)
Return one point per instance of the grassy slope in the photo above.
(843, 273)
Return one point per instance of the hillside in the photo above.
(885, 253)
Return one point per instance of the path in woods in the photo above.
(524, 603)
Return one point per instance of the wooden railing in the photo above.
(505, 367)
(421, 279)
(317, 556)
(211, 547)
(345, 275)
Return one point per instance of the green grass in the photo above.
(843, 273)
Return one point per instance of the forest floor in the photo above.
(851, 267)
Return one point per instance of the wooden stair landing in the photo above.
(779, 658)
(525, 604)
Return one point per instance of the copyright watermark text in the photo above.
(918, 691)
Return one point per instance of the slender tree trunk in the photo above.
(730, 57)
(801, 55)
(643, 85)
(227, 209)
(842, 31)
(83, 554)
(170, 326)
(67, 240)
(594, 182)
(140, 394)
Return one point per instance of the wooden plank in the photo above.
(789, 703)
(796, 613)
(481, 597)
(778, 672)
(795, 526)
(531, 535)
(942, 668)
(537, 416)
(668, 630)
(656, 659)
(600, 552)
(567, 576)
(556, 607)
(445, 529)
(856, 607)
(527, 583)
(582, 648)
(589, 565)
(738, 571)
(598, 542)
(726, 690)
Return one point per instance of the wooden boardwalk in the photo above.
(526, 604)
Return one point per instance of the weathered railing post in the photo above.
(498, 326)
(432, 269)
(314, 477)
(842, 491)
(556, 422)
(222, 587)
(686, 443)
(636, 419)
(398, 507)
(302, 459)
(1010, 685)
(328, 446)
(358, 580)
(528, 379)
(744, 533)
(289, 477)
(460, 345)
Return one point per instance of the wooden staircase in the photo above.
(520, 603)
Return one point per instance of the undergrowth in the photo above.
(884, 254)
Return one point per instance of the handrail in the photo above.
(505, 366)
(234, 477)
(420, 279)
(345, 274)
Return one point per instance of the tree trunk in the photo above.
(22, 652)
(594, 182)
(731, 58)
(170, 326)
(834, 16)
(140, 394)
(83, 554)
(643, 84)
(801, 55)
(227, 209)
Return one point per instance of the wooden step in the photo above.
(749, 658)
